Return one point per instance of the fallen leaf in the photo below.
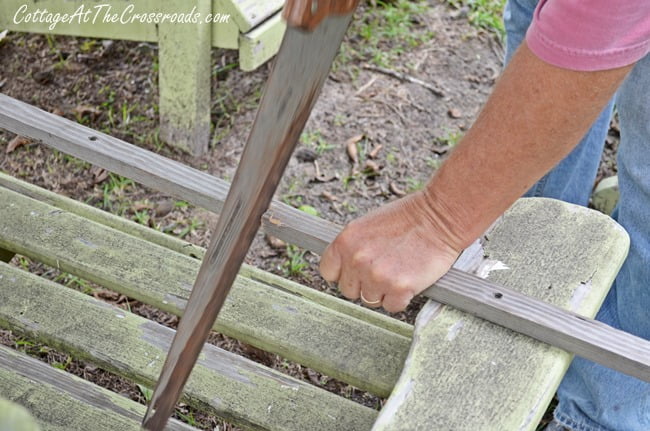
(83, 110)
(99, 174)
(329, 196)
(455, 113)
(275, 242)
(57, 111)
(139, 206)
(371, 168)
(351, 147)
(321, 178)
(396, 190)
(17, 142)
(375, 151)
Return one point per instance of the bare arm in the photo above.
(536, 114)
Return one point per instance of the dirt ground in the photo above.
(402, 131)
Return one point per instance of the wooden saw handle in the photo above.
(307, 14)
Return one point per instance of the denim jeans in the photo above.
(592, 397)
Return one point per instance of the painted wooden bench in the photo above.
(253, 27)
(462, 373)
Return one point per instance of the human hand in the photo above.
(391, 254)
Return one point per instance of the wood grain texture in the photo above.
(188, 249)
(464, 373)
(153, 170)
(248, 13)
(203, 190)
(302, 66)
(64, 402)
(222, 383)
(262, 43)
(184, 78)
(275, 317)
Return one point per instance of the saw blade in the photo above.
(300, 70)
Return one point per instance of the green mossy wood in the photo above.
(464, 373)
(273, 318)
(13, 417)
(228, 385)
(63, 402)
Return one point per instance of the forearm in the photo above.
(536, 114)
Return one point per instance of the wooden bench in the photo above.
(253, 27)
(462, 373)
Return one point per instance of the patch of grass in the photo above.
(316, 140)
(74, 282)
(146, 393)
(451, 138)
(387, 29)
(63, 365)
(114, 194)
(486, 14)
(296, 263)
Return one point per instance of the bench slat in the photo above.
(560, 253)
(228, 385)
(198, 188)
(248, 13)
(188, 249)
(336, 344)
(64, 402)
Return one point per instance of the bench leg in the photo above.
(184, 78)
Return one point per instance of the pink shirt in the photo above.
(590, 34)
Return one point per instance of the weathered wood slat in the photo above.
(248, 13)
(505, 380)
(228, 385)
(153, 170)
(260, 44)
(63, 402)
(275, 320)
(283, 221)
(188, 249)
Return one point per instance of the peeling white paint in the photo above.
(488, 265)
(429, 312)
(454, 329)
(579, 295)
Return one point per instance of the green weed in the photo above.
(296, 263)
(485, 14)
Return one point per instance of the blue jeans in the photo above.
(592, 397)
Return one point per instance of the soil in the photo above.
(402, 131)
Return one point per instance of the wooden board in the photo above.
(464, 373)
(272, 318)
(63, 402)
(285, 222)
(249, 13)
(150, 169)
(225, 384)
(261, 44)
(183, 247)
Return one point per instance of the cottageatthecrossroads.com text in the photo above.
(108, 14)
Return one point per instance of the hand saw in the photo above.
(315, 30)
